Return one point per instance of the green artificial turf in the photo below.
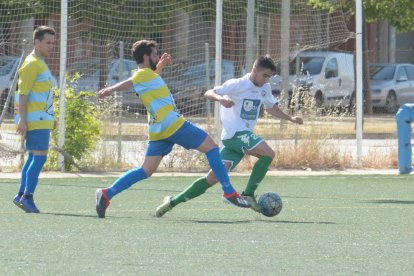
(329, 225)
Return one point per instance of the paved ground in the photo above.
(276, 173)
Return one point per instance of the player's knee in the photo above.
(211, 143)
(207, 145)
(228, 165)
(212, 179)
(39, 152)
(148, 171)
(271, 153)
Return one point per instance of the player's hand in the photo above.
(104, 92)
(21, 128)
(165, 59)
(226, 102)
(55, 124)
(297, 120)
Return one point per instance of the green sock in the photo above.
(258, 173)
(197, 188)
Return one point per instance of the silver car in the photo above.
(8, 67)
(391, 85)
(89, 70)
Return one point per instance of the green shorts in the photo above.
(234, 149)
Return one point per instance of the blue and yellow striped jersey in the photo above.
(35, 81)
(163, 117)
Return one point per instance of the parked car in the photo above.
(194, 77)
(89, 78)
(90, 71)
(328, 75)
(188, 88)
(8, 67)
(391, 85)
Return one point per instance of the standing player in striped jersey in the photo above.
(34, 114)
(166, 127)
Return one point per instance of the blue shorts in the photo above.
(188, 136)
(38, 139)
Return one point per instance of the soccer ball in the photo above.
(270, 204)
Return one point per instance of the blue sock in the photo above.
(126, 181)
(216, 164)
(32, 175)
(24, 172)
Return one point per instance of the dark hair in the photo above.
(39, 32)
(141, 48)
(266, 62)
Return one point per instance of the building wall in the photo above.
(405, 46)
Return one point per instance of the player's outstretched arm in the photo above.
(279, 113)
(125, 85)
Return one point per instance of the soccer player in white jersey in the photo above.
(166, 128)
(34, 114)
(241, 100)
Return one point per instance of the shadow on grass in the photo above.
(389, 201)
(137, 187)
(77, 215)
(215, 221)
(297, 222)
(250, 221)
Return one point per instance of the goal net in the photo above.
(101, 33)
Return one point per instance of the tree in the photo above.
(399, 14)
(108, 22)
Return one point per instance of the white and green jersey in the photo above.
(247, 98)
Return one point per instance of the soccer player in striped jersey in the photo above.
(34, 114)
(166, 127)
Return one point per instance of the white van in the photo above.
(329, 76)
